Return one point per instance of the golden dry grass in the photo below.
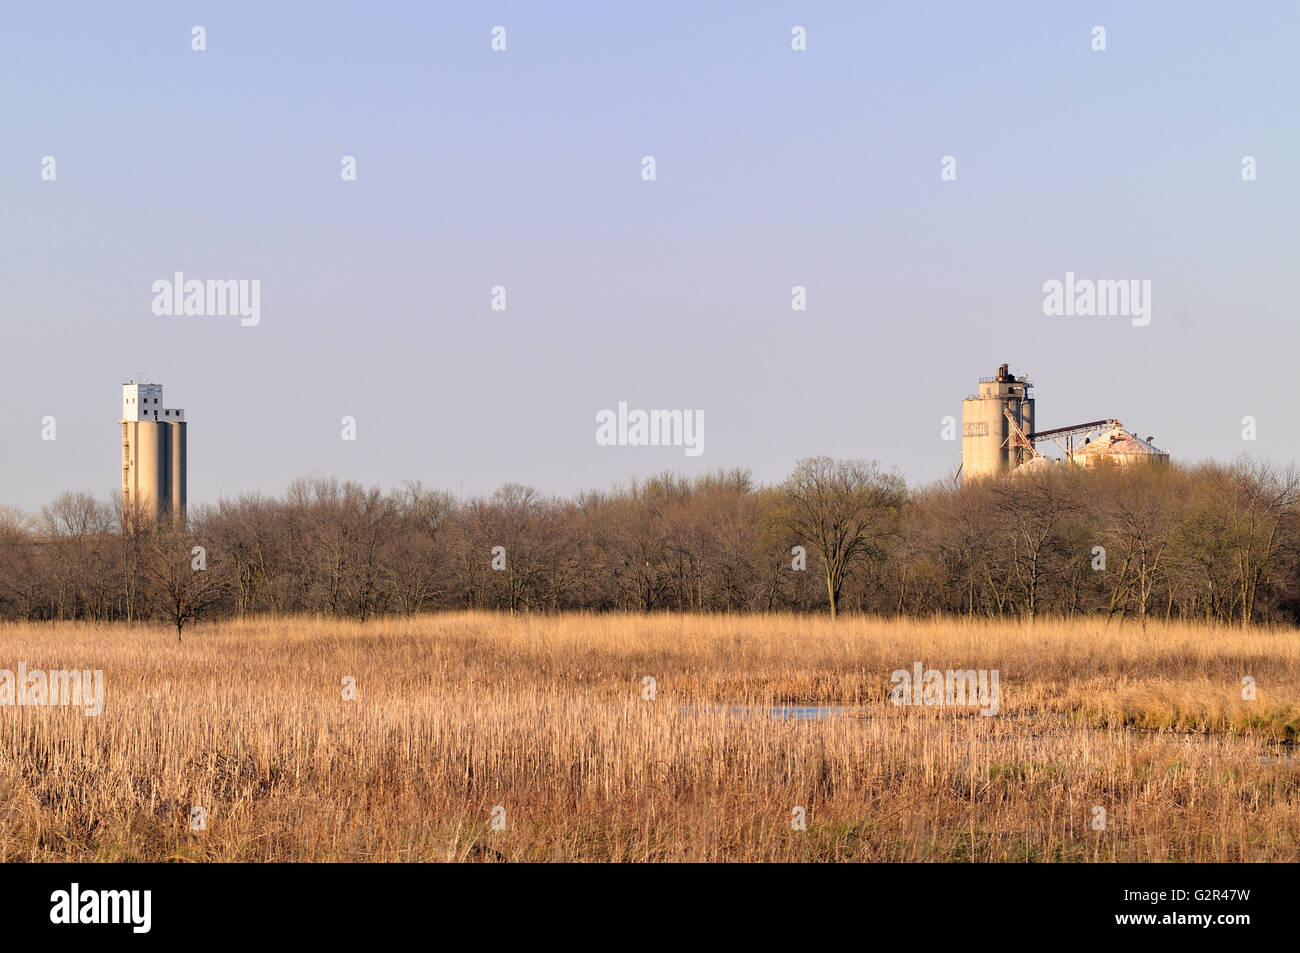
(459, 713)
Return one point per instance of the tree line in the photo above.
(1215, 542)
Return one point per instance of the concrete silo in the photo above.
(153, 455)
(994, 424)
(178, 490)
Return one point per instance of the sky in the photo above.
(523, 169)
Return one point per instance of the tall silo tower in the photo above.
(990, 419)
(153, 454)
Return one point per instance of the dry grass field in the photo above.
(543, 716)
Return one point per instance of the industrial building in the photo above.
(999, 434)
(1118, 447)
(997, 412)
(153, 455)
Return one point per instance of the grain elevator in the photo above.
(153, 456)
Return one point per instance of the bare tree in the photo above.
(184, 579)
(1035, 510)
(413, 562)
(20, 573)
(1215, 541)
(1262, 501)
(843, 510)
(75, 526)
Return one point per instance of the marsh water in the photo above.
(782, 712)
(1272, 751)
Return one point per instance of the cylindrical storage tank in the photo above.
(994, 454)
(982, 435)
(178, 489)
(151, 461)
(165, 449)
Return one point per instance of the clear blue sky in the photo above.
(522, 168)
